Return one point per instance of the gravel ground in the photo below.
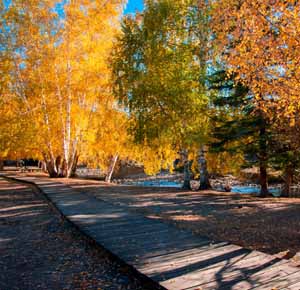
(38, 250)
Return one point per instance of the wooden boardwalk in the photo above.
(174, 258)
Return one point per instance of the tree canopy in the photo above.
(81, 82)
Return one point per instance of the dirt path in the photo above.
(40, 251)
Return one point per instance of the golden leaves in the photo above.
(261, 40)
(60, 71)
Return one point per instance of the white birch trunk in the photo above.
(112, 168)
(61, 111)
(67, 141)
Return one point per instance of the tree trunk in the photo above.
(43, 166)
(64, 168)
(263, 157)
(72, 170)
(204, 176)
(289, 174)
(58, 167)
(186, 171)
(263, 180)
(1, 165)
(50, 166)
(111, 168)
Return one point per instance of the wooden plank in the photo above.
(181, 254)
(137, 232)
(121, 225)
(128, 219)
(270, 280)
(219, 277)
(202, 271)
(159, 249)
(165, 255)
(201, 254)
(294, 282)
(139, 247)
(281, 275)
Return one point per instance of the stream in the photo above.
(242, 189)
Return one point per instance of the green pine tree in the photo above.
(239, 126)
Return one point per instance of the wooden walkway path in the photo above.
(174, 258)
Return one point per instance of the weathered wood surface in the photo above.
(176, 259)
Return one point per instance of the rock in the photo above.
(227, 188)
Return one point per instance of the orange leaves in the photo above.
(59, 71)
(261, 40)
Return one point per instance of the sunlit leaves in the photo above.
(58, 73)
(159, 72)
(259, 41)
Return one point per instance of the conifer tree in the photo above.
(239, 126)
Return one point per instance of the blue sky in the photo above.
(134, 5)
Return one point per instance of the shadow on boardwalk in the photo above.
(115, 217)
(270, 225)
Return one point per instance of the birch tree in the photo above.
(58, 63)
